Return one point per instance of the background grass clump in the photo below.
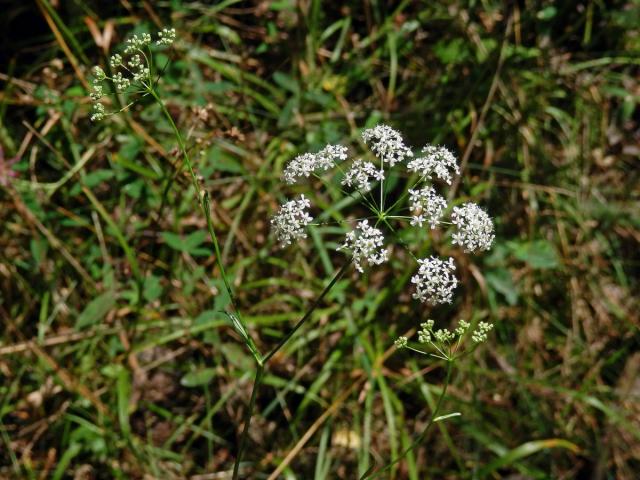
(115, 361)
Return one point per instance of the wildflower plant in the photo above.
(448, 345)
(133, 74)
(371, 239)
(136, 76)
(374, 231)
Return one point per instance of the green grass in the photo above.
(115, 359)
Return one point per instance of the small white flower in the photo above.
(306, 164)
(98, 112)
(136, 42)
(366, 244)
(443, 335)
(115, 61)
(435, 160)
(474, 228)
(96, 93)
(424, 335)
(361, 175)
(141, 74)
(435, 280)
(121, 82)
(166, 37)
(427, 205)
(99, 74)
(401, 342)
(387, 144)
(135, 61)
(480, 333)
(290, 221)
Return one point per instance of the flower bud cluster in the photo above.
(98, 112)
(480, 334)
(448, 344)
(134, 70)
(136, 43)
(167, 36)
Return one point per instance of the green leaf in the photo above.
(152, 288)
(502, 281)
(236, 355)
(189, 244)
(194, 240)
(538, 254)
(547, 13)
(451, 51)
(525, 450)
(198, 378)
(96, 310)
(173, 240)
(286, 81)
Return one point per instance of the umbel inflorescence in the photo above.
(370, 240)
(131, 73)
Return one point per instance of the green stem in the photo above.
(247, 420)
(262, 363)
(203, 199)
(307, 315)
(372, 474)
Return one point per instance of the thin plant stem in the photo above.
(307, 315)
(202, 197)
(261, 361)
(372, 474)
(247, 419)
(261, 365)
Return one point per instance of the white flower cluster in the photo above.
(137, 43)
(134, 69)
(98, 73)
(435, 280)
(361, 175)
(98, 112)
(138, 68)
(291, 220)
(436, 161)
(447, 343)
(121, 82)
(387, 144)
(306, 164)
(474, 228)
(427, 205)
(366, 244)
(167, 36)
(401, 342)
(115, 61)
(480, 334)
